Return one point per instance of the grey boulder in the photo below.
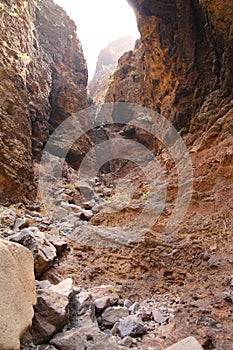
(112, 315)
(42, 250)
(84, 338)
(189, 343)
(131, 326)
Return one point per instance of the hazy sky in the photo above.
(99, 23)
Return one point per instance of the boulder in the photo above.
(131, 326)
(128, 303)
(115, 329)
(86, 215)
(17, 293)
(20, 223)
(65, 287)
(85, 189)
(127, 341)
(7, 217)
(42, 250)
(112, 315)
(51, 311)
(102, 303)
(105, 291)
(189, 343)
(89, 205)
(81, 310)
(133, 309)
(84, 338)
(59, 243)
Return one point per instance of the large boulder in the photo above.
(84, 338)
(104, 296)
(81, 310)
(51, 311)
(36, 241)
(112, 315)
(17, 293)
(105, 291)
(85, 189)
(131, 326)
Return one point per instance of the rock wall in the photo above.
(128, 82)
(187, 57)
(58, 38)
(182, 69)
(43, 80)
(106, 65)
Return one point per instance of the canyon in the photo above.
(170, 284)
(105, 67)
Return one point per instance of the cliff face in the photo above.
(106, 65)
(181, 67)
(43, 80)
(187, 57)
(184, 68)
(58, 38)
(128, 82)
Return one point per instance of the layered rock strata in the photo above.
(43, 80)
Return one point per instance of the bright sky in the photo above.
(99, 23)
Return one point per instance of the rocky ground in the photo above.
(99, 288)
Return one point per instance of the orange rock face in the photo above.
(43, 80)
(186, 57)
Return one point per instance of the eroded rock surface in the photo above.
(17, 293)
(43, 80)
(187, 56)
(106, 65)
(43, 251)
(85, 338)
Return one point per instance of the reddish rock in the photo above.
(189, 343)
(43, 80)
(58, 38)
(106, 65)
(181, 59)
(127, 83)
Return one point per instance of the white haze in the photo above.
(99, 23)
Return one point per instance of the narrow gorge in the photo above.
(92, 175)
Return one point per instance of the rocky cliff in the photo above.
(128, 81)
(186, 61)
(43, 80)
(106, 65)
(182, 68)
